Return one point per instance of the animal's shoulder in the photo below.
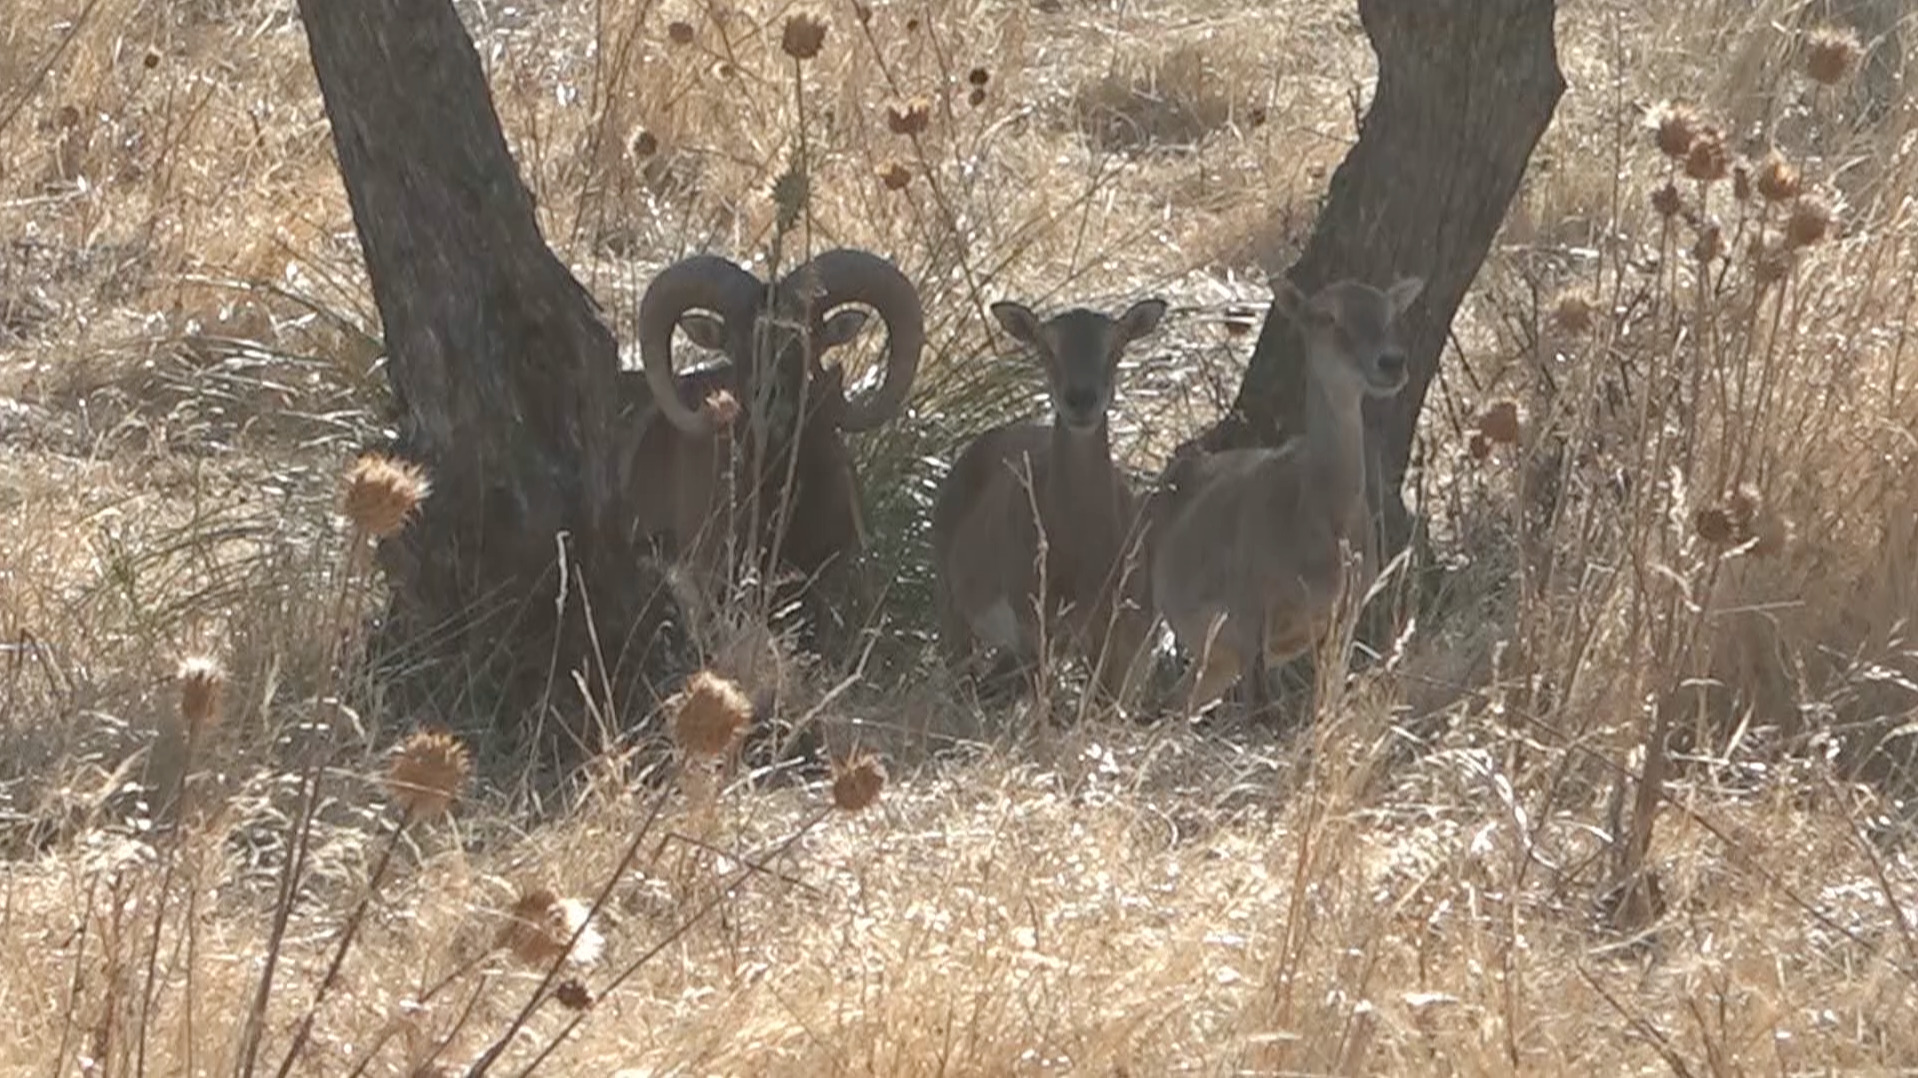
(984, 461)
(1192, 475)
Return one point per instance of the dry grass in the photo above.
(1679, 510)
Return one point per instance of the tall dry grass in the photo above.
(1632, 795)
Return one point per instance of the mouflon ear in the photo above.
(1403, 292)
(1140, 319)
(1297, 306)
(1017, 319)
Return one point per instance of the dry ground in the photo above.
(1707, 523)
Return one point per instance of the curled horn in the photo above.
(708, 282)
(841, 276)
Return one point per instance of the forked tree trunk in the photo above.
(1465, 90)
(505, 376)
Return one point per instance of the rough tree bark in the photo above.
(505, 376)
(1465, 90)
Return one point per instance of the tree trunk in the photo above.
(1465, 90)
(506, 379)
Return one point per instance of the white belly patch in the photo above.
(997, 626)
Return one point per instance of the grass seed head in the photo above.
(1778, 179)
(427, 774)
(1708, 160)
(1499, 422)
(1667, 201)
(1742, 182)
(857, 781)
(679, 32)
(202, 682)
(910, 118)
(1677, 126)
(710, 715)
(1831, 52)
(1809, 222)
(803, 37)
(383, 492)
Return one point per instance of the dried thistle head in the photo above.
(1831, 52)
(1479, 446)
(709, 715)
(792, 191)
(1574, 313)
(202, 683)
(642, 144)
(1677, 126)
(573, 994)
(909, 118)
(894, 175)
(856, 781)
(1499, 422)
(540, 925)
(1728, 523)
(803, 37)
(1667, 202)
(976, 96)
(1714, 525)
(383, 492)
(1742, 519)
(1708, 160)
(679, 32)
(1808, 223)
(1778, 179)
(427, 773)
(978, 76)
